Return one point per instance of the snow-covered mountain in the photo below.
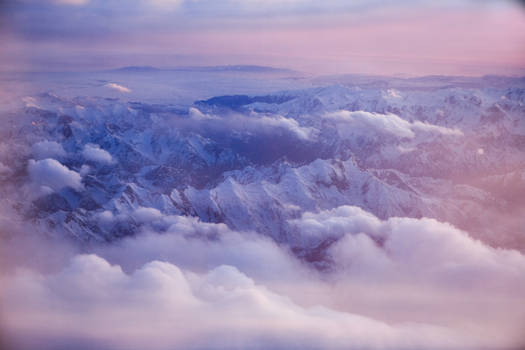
(99, 168)
(363, 212)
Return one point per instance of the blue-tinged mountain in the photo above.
(211, 69)
(257, 162)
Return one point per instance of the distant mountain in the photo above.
(429, 82)
(136, 69)
(237, 68)
(227, 68)
(257, 162)
(237, 101)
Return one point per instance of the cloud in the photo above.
(48, 149)
(368, 123)
(394, 284)
(94, 153)
(105, 218)
(195, 114)
(118, 87)
(335, 223)
(253, 123)
(146, 215)
(393, 93)
(304, 133)
(422, 126)
(49, 172)
(192, 244)
(160, 306)
(84, 169)
(419, 249)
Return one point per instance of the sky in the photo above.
(407, 37)
(392, 283)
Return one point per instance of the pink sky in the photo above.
(462, 40)
(465, 42)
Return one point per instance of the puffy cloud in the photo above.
(395, 284)
(146, 215)
(289, 124)
(48, 149)
(393, 93)
(85, 169)
(363, 122)
(192, 244)
(418, 125)
(159, 306)
(253, 123)
(51, 173)
(419, 249)
(368, 123)
(105, 218)
(316, 227)
(94, 153)
(195, 114)
(118, 87)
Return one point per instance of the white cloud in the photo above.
(253, 123)
(52, 174)
(118, 87)
(195, 114)
(146, 215)
(160, 306)
(368, 123)
(419, 249)
(289, 124)
(85, 169)
(335, 223)
(418, 125)
(48, 149)
(96, 154)
(395, 284)
(193, 244)
(105, 218)
(393, 93)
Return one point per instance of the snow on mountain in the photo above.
(336, 207)
(258, 162)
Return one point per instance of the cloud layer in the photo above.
(160, 306)
(118, 87)
(94, 153)
(252, 123)
(393, 284)
(361, 123)
(48, 149)
(52, 174)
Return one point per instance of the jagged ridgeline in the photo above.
(439, 147)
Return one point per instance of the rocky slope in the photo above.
(101, 168)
